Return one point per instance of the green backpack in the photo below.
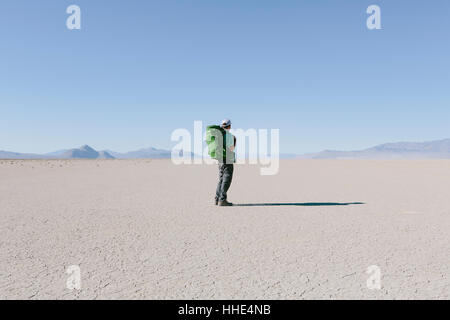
(216, 148)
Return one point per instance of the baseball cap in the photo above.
(226, 122)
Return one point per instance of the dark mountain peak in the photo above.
(86, 148)
(85, 152)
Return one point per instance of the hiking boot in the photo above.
(225, 203)
(216, 202)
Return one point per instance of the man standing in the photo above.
(226, 167)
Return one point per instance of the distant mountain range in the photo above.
(86, 152)
(148, 153)
(439, 149)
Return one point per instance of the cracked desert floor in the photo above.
(147, 229)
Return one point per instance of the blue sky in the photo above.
(137, 70)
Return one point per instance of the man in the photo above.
(226, 167)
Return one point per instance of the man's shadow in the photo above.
(305, 204)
